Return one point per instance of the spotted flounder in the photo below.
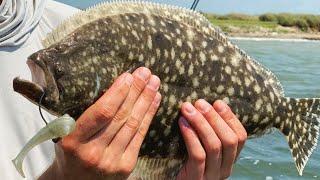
(192, 58)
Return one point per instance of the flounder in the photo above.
(192, 58)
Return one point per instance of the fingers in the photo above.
(141, 77)
(207, 136)
(227, 115)
(194, 169)
(99, 114)
(140, 108)
(226, 135)
(135, 144)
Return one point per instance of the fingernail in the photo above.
(129, 79)
(204, 106)
(144, 73)
(221, 107)
(190, 109)
(154, 83)
(184, 122)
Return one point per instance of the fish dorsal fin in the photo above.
(268, 75)
(183, 15)
(117, 7)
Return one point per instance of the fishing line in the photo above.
(194, 4)
(44, 93)
(44, 120)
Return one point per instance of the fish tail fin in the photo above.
(300, 123)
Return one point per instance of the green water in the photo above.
(297, 65)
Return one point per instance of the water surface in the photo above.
(297, 65)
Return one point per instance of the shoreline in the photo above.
(250, 38)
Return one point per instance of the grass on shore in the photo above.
(270, 21)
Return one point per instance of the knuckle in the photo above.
(142, 131)
(68, 145)
(199, 158)
(215, 147)
(243, 137)
(90, 157)
(123, 92)
(133, 123)
(138, 85)
(148, 95)
(122, 114)
(231, 142)
(103, 112)
(106, 168)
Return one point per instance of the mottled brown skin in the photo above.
(110, 40)
(191, 65)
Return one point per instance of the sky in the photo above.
(230, 6)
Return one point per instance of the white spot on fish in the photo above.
(158, 52)
(172, 99)
(141, 57)
(135, 34)
(165, 87)
(194, 95)
(214, 57)
(226, 100)
(220, 89)
(124, 41)
(190, 45)
(195, 82)
(257, 88)
(149, 42)
(183, 55)
(166, 54)
(258, 103)
(234, 61)
(202, 58)
(179, 42)
(206, 90)
(231, 91)
(204, 44)
(130, 55)
(190, 70)
(153, 60)
(228, 69)
(190, 34)
(220, 49)
(173, 54)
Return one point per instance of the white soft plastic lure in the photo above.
(59, 127)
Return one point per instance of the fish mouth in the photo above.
(42, 84)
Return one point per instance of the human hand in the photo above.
(214, 138)
(109, 134)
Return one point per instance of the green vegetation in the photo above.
(242, 21)
(302, 21)
(270, 21)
